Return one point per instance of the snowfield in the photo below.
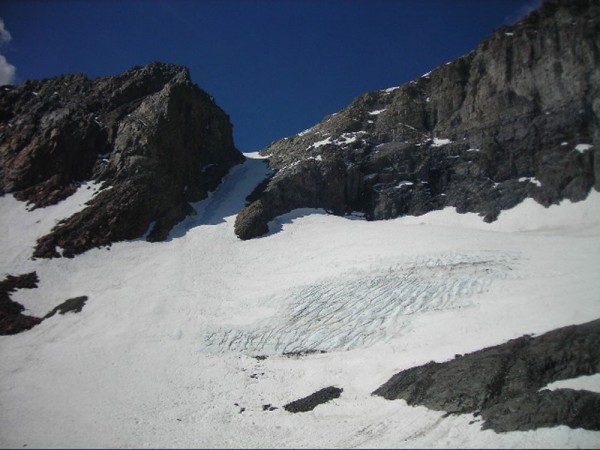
(181, 343)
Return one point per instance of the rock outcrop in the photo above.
(12, 319)
(152, 137)
(313, 400)
(517, 117)
(504, 383)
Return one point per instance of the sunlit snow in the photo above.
(321, 143)
(438, 142)
(585, 383)
(349, 138)
(531, 180)
(583, 147)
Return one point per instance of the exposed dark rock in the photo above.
(154, 139)
(12, 319)
(241, 408)
(503, 382)
(575, 409)
(302, 353)
(313, 400)
(74, 305)
(481, 133)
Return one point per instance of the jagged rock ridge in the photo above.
(504, 383)
(155, 140)
(517, 117)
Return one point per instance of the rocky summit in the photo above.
(517, 117)
(153, 139)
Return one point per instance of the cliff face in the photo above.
(153, 138)
(518, 117)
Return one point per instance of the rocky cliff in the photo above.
(152, 137)
(517, 117)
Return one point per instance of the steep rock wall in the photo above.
(517, 117)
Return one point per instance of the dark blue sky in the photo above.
(275, 66)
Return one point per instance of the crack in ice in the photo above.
(344, 313)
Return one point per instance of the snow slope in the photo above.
(164, 352)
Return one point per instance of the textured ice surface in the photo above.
(363, 308)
